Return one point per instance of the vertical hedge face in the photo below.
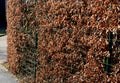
(21, 33)
(72, 39)
(14, 16)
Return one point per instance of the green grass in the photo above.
(2, 33)
(5, 65)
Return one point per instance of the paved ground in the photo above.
(5, 76)
(3, 49)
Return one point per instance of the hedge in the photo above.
(72, 39)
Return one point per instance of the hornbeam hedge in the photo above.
(72, 39)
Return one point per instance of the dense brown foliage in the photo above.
(21, 35)
(73, 39)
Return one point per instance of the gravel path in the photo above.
(5, 76)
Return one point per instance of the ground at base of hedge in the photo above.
(5, 75)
